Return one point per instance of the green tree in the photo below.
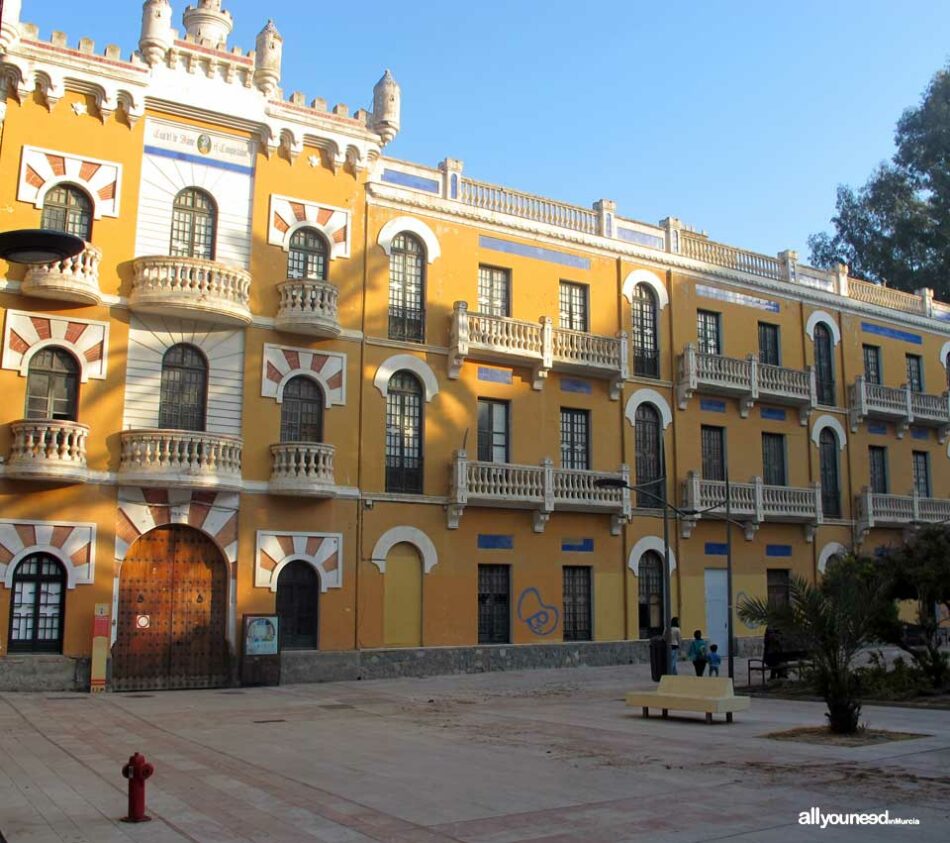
(896, 229)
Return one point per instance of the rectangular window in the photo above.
(877, 465)
(577, 613)
(714, 452)
(494, 623)
(492, 430)
(773, 459)
(770, 348)
(575, 438)
(494, 291)
(872, 364)
(573, 300)
(915, 373)
(922, 473)
(777, 587)
(708, 332)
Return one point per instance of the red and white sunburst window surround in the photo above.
(288, 216)
(327, 368)
(27, 333)
(43, 169)
(275, 548)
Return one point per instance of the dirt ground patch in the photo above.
(821, 735)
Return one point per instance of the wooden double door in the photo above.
(172, 619)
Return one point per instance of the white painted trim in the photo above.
(829, 550)
(822, 316)
(645, 544)
(408, 535)
(829, 421)
(648, 396)
(415, 226)
(652, 280)
(944, 352)
(398, 362)
(328, 579)
(48, 549)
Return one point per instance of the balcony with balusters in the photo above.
(900, 405)
(538, 345)
(74, 279)
(180, 459)
(303, 468)
(542, 489)
(308, 306)
(746, 379)
(48, 449)
(900, 511)
(751, 503)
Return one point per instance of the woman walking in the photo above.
(697, 652)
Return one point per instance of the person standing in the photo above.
(697, 652)
(673, 638)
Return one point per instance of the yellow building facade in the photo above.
(293, 377)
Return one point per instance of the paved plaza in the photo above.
(491, 758)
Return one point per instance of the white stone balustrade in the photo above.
(540, 488)
(886, 297)
(48, 449)
(308, 307)
(192, 288)
(302, 468)
(540, 345)
(700, 248)
(180, 458)
(899, 404)
(879, 510)
(502, 200)
(751, 503)
(746, 379)
(71, 279)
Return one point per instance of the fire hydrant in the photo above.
(137, 771)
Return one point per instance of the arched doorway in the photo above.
(298, 595)
(172, 618)
(402, 609)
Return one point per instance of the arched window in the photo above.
(649, 442)
(646, 358)
(52, 385)
(404, 431)
(824, 365)
(67, 208)
(298, 595)
(36, 615)
(301, 413)
(308, 255)
(194, 220)
(407, 289)
(184, 389)
(828, 461)
(650, 581)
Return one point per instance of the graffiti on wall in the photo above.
(541, 618)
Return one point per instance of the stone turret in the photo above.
(157, 33)
(386, 96)
(267, 59)
(208, 22)
(10, 28)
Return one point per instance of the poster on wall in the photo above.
(260, 635)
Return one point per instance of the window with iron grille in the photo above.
(407, 289)
(824, 365)
(872, 364)
(493, 431)
(877, 465)
(922, 474)
(194, 220)
(573, 299)
(648, 433)
(68, 209)
(915, 373)
(646, 357)
(308, 255)
(301, 411)
(708, 332)
(184, 389)
(577, 614)
(575, 438)
(52, 385)
(36, 614)
(773, 459)
(777, 586)
(297, 604)
(494, 291)
(650, 586)
(770, 345)
(404, 434)
(714, 452)
(828, 461)
(494, 614)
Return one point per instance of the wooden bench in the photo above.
(796, 661)
(708, 694)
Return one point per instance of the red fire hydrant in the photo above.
(137, 771)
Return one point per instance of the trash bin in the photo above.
(659, 658)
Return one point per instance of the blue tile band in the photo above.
(891, 333)
(778, 550)
(641, 237)
(920, 433)
(490, 541)
(199, 159)
(535, 252)
(575, 385)
(737, 298)
(577, 545)
(716, 549)
(486, 373)
(411, 180)
(772, 413)
(877, 427)
(712, 405)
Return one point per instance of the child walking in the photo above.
(714, 660)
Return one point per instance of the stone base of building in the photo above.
(44, 673)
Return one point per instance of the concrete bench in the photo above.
(708, 694)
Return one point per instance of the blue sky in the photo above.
(739, 118)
